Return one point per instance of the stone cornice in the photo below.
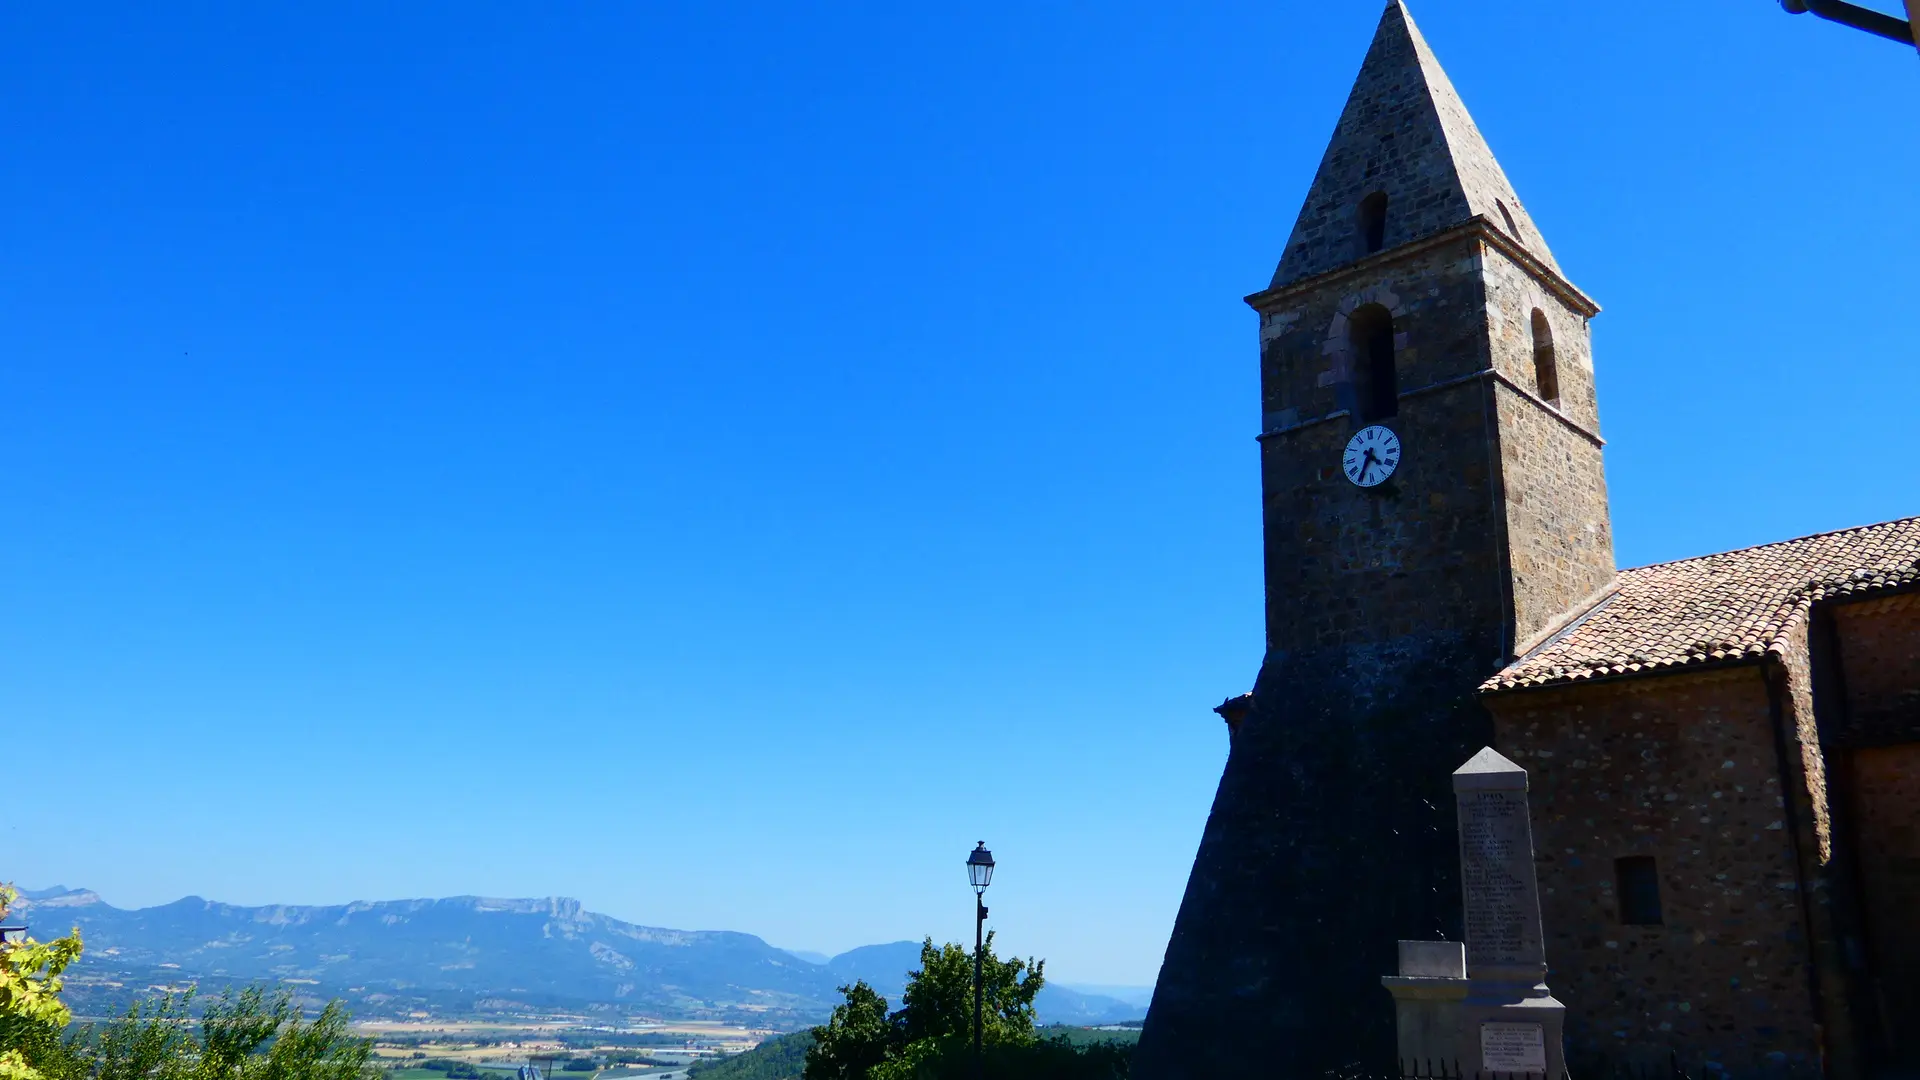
(1483, 373)
(1549, 408)
(1477, 226)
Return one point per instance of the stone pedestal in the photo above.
(1483, 1007)
(1427, 994)
(1510, 1021)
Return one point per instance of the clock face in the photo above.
(1371, 456)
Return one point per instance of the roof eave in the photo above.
(1745, 659)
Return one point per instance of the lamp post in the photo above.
(979, 875)
(1891, 27)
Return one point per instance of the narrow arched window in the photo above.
(1376, 387)
(1639, 890)
(1546, 370)
(1373, 223)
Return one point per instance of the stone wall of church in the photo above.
(1307, 365)
(1513, 295)
(1682, 768)
(1874, 744)
(1879, 651)
(1330, 837)
(1349, 565)
(1885, 783)
(1790, 673)
(1459, 311)
(1559, 531)
(1560, 536)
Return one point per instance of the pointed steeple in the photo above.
(1405, 134)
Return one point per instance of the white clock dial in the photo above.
(1371, 456)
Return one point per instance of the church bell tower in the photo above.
(1433, 500)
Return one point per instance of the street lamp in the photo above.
(1891, 27)
(979, 875)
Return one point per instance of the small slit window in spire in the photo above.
(1373, 222)
(1507, 216)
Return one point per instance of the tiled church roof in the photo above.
(1717, 607)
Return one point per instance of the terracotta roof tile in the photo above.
(1717, 607)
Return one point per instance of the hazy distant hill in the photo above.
(471, 954)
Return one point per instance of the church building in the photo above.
(1724, 752)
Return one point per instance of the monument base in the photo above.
(1482, 1008)
(1513, 1028)
(1427, 997)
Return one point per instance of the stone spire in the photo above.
(1404, 133)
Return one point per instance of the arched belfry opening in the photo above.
(1376, 386)
(1546, 369)
(1373, 223)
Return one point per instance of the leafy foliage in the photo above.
(31, 1012)
(939, 997)
(783, 1058)
(250, 1035)
(1032, 1059)
(855, 1040)
(931, 1036)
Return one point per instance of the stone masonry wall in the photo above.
(1560, 546)
(1435, 297)
(1332, 833)
(1886, 817)
(1559, 530)
(1683, 768)
(1811, 817)
(1331, 836)
(1346, 564)
(1457, 310)
(1879, 649)
(1876, 741)
(1513, 295)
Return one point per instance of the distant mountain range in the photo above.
(469, 955)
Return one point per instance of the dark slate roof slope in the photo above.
(1738, 604)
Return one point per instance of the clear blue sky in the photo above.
(720, 460)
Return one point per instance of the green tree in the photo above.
(855, 1040)
(931, 1036)
(938, 1001)
(776, 1059)
(248, 1035)
(31, 1012)
(251, 1034)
